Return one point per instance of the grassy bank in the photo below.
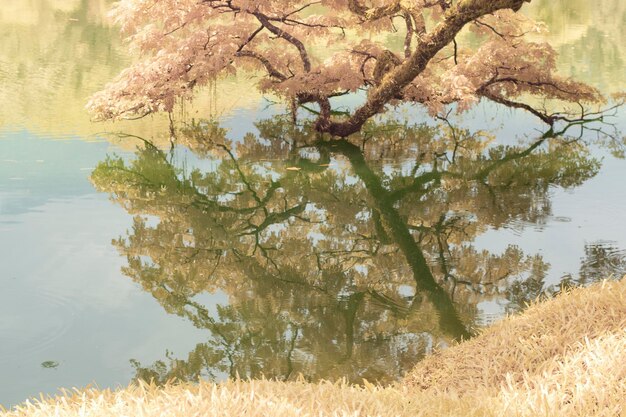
(563, 357)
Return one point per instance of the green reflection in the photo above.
(589, 37)
(335, 264)
(54, 55)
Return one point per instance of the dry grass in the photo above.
(565, 357)
(530, 343)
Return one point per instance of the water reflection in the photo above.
(62, 296)
(339, 259)
(588, 37)
(54, 54)
(602, 259)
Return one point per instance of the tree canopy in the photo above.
(313, 51)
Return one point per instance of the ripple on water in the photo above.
(562, 219)
(31, 321)
(603, 259)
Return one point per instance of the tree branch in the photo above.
(265, 21)
(455, 18)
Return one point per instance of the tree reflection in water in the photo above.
(339, 258)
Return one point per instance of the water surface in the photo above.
(274, 253)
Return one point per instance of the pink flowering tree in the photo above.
(311, 51)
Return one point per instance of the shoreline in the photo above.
(562, 357)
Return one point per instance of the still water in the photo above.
(271, 252)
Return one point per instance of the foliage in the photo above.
(310, 52)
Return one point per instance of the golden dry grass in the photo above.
(565, 357)
(528, 343)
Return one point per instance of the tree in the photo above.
(333, 263)
(312, 51)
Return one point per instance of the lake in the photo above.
(245, 246)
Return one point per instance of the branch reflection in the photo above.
(339, 258)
